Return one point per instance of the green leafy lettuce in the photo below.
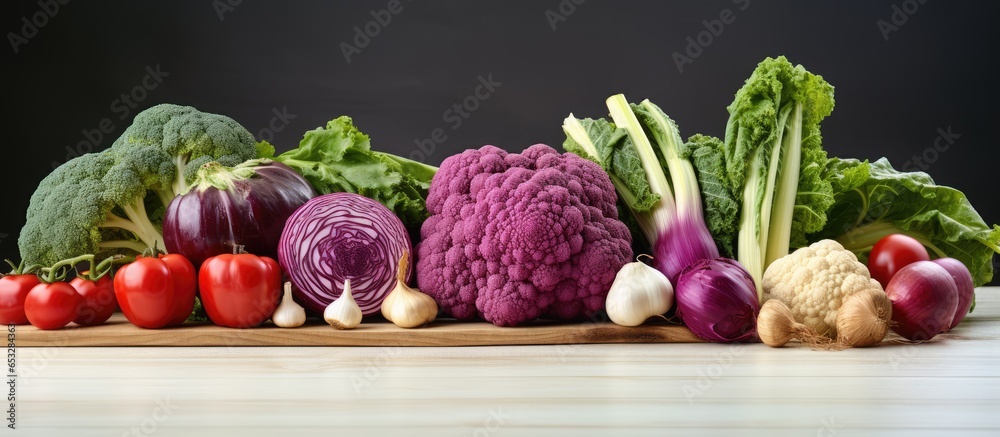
(339, 158)
(772, 163)
(873, 200)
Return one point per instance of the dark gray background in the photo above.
(892, 95)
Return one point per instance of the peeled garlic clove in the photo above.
(344, 312)
(408, 307)
(288, 314)
(638, 293)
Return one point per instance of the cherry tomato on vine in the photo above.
(98, 300)
(892, 253)
(51, 306)
(13, 290)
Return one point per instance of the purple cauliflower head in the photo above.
(513, 237)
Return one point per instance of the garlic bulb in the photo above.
(408, 307)
(344, 312)
(288, 314)
(638, 293)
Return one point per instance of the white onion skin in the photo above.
(924, 300)
(963, 280)
(341, 236)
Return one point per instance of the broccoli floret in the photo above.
(190, 138)
(113, 201)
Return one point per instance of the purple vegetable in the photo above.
(517, 236)
(717, 300)
(966, 290)
(924, 300)
(246, 205)
(687, 241)
(340, 236)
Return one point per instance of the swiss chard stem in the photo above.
(783, 207)
(663, 213)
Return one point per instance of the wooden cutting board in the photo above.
(119, 332)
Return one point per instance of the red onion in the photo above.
(963, 280)
(924, 300)
(340, 236)
(717, 300)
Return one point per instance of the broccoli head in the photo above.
(189, 137)
(513, 237)
(113, 201)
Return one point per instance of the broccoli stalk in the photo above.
(137, 223)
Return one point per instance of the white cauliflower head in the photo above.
(815, 281)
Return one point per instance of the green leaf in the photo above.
(610, 147)
(873, 200)
(722, 211)
(338, 158)
(265, 150)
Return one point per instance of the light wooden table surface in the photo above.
(948, 387)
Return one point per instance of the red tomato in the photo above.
(13, 290)
(51, 306)
(892, 253)
(98, 300)
(186, 285)
(156, 292)
(239, 291)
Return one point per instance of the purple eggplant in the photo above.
(243, 205)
